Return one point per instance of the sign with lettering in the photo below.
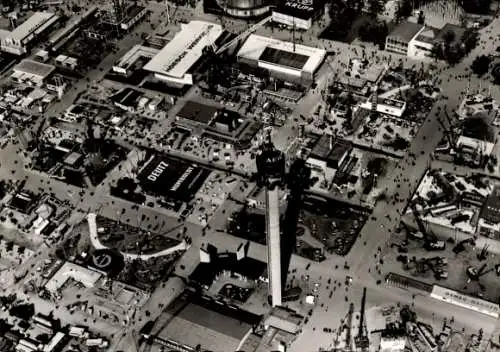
(195, 41)
(303, 5)
(181, 179)
(153, 176)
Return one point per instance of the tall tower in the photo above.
(270, 173)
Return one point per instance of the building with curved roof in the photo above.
(245, 8)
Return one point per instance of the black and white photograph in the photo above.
(249, 176)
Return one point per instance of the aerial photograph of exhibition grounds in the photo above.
(249, 175)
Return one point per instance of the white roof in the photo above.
(179, 55)
(476, 143)
(31, 25)
(54, 342)
(282, 324)
(134, 53)
(42, 53)
(256, 44)
(70, 270)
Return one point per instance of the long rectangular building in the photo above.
(283, 60)
(19, 41)
(174, 180)
(174, 62)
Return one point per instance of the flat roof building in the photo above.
(198, 112)
(281, 328)
(387, 106)
(56, 343)
(127, 99)
(329, 152)
(19, 40)
(173, 180)
(174, 62)
(69, 270)
(218, 124)
(127, 63)
(213, 325)
(195, 116)
(298, 13)
(32, 71)
(231, 128)
(417, 41)
(400, 37)
(132, 16)
(283, 60)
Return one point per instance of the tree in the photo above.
(377, 166)
(477, 6)
(451, 50)
(495, 72)
(478, 127)
(342, 15)
(421, 18)
(449, 37)
(374, 33)
(481, 65)
(404, 10)
(23, 311)
(469, 40)
(375, 7)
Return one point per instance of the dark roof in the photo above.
(172, 178)
(212, 315)
(133, 11)
(405, 31)
(77, 109)
(21, 202)
(491, 208)
(195, 111)
(127, 97)
(283, 58)
(332, 156)
(212, 319)
(205, 273)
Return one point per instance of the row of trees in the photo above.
(451, 50)
(406, 7)
(343, 14)
(375, 33)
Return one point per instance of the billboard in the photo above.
(172, 178)
(301, 5)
